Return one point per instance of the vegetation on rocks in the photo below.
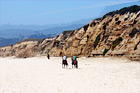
(65, 32)
(97, 40)
(105, 51)
(26, 40)
(116, 42)
(40, 41)
(132, 9)
(48, 51)
(43, 48)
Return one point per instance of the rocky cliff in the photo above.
(115, 34)
(25, 48)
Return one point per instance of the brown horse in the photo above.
(75, 63)
(64, 63)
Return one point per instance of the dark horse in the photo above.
(75, 63)
(64, 63)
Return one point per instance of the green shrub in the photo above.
(105, 51)
(13, 52)
(48, 51)
(97, 40)
(104, 17)
(42, 49)
(65, 32)
(38, 42)
(132, 10)
(32, 40)
(116, 42)
(57, 42)
(123, 10)
(64, 37)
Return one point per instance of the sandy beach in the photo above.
(94, 75)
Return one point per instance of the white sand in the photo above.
(94, 75)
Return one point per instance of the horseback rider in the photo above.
(73, 59)
(64, 58)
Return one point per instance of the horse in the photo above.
(75, 63)
(64, 63)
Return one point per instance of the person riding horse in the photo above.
(74, 62)
(64, 61)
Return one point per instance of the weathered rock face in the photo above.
(26, 48)
(115, 34)
(58, 44)
(19, 50)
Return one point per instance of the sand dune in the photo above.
(94, 75)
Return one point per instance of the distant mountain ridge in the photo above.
(16, 35)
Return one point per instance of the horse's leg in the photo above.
(77, 65)
(63, 65)
(66, 64)
(72, 65)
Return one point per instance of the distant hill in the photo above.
(4, 41)
(29, 27)
(15, 33)
(58, 30)
(11, 36)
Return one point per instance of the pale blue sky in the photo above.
(51, 11)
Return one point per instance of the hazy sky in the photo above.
(51, 11)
